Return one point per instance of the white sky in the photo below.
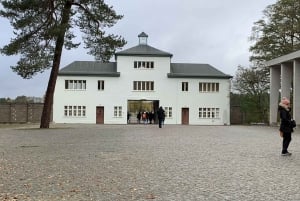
(195, 31)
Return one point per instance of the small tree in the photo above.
(253, 86)
(44, 27)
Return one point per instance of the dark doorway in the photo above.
(99, 115)
(185, 116)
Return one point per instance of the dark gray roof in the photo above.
(178, 70)
(183, 70)
(91, 68)
(143, 50)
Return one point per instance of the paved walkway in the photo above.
(143, 162)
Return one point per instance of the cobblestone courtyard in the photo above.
(143, 162)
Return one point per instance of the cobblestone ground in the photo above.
(143, 162)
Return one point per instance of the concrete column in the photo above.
(286, 79)
(296, 91)
(274, 93)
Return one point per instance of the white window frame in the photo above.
(143, 64)
(209, 113)
(205, 87)
(117, 111)
(143, 85)
(101, 85)
(168, 112)
(75, 85)
(185, 86)
(74, 111)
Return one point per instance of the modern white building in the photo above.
(284, 82)
(142, 78)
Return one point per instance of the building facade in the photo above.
(285, 82)
(141, 79)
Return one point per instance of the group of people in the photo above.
(149, 117)
(145, 117)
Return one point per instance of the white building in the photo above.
(142, 79)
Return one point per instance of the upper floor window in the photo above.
(208, 87)
(185, 86)
(143, 85)
(144, 64)
(75, 84)
(100, 85)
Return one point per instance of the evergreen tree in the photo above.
(43, 27)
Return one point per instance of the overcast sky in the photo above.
(215, 32)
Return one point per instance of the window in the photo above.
(75, 84)
(143, 86)
(208, 87)
(217, 87)
(168, 112)
(209, 113)
(143, 64)
(74, 111)
(185, 86)
(117, 111)
(100, 85)
(79, 111)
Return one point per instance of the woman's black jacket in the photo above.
(286, 120)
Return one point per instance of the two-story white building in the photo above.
(142, 78)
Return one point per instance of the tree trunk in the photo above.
(46, 114)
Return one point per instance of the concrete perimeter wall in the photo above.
(21, 113)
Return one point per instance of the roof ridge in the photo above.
(143, 49)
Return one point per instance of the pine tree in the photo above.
(42, 28)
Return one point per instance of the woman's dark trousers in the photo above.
(159, 123)
(287, 137)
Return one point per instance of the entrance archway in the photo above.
(136, 106)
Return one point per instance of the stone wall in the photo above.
(21, 113)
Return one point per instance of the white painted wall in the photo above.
(118, 90)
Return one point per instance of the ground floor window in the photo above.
(168, 112)
(74, 111)
(117, 111)
(209, 113)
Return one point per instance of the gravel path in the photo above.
(143, 162)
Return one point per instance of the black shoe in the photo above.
(286, 154)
